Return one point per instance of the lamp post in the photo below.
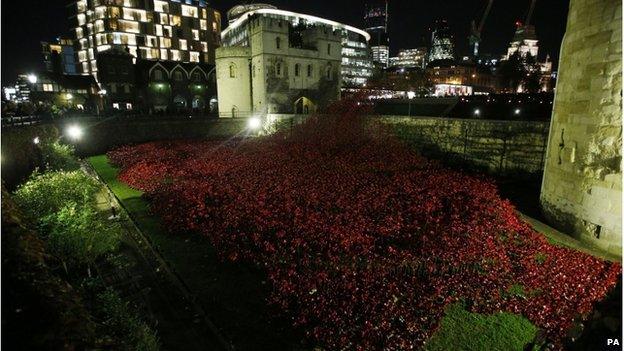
(410, 95)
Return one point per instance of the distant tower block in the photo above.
(582, 186)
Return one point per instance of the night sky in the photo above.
(26, 23)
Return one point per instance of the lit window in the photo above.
(48, 87)
(175, 20)
(194, 56)
(163, 54)
(128, 106)
(159, 30)
(195, 34)
(203, 24)
(175, 55)
(116, 106)
(189, 11)
(183, 45)
(161, 6)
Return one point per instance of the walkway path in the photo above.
(147, 281)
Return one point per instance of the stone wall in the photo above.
(582, 190)
(499, 147)
(100, 137)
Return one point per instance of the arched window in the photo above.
(177, 75)
(328, 72)
(232, 70)
(278, 69)
(309, 70)
(278, 43)
(296, 70)
(196, 77)
(158, 74)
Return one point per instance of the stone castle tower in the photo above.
(582, 186)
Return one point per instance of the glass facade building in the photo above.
(376, 22)
(356, 67)
(169, 30)
(441, 43)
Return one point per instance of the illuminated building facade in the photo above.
(409, 58)
(59, 56)
(376, 24)
(461, 79)
(356, 65)
(524, 41)
(275, 61)
(441, 43)
(171, 30)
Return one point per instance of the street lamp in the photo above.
(477, 112)
(517, 111)
(254, 123)
(410, 96)
(74, 132)
(36, 141)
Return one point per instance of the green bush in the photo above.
(78, 235)
(46, 194)
(123, 324)
(59, 157)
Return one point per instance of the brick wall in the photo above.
(582, 190)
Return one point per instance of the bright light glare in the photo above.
(69, 96)
(74, 132)
(32, 78)
(411, 95)
(477, 112)
(36, 140)
(517, 111)
(102, 92)
(254, 123)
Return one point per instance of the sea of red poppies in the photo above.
(364, 242)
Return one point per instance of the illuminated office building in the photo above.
(171, 30)
(441, 43)
(376, 23)
(59, 56)
(409, 58)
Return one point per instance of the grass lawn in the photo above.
(461, 330)
(233, 295)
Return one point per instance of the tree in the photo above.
(79, 236)
(45, 194)
(520, 71)
(59, 157)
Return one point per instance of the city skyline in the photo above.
(405, 33)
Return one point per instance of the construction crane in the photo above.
(529, 16)
(475, 33)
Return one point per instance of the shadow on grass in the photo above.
(233, 295)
